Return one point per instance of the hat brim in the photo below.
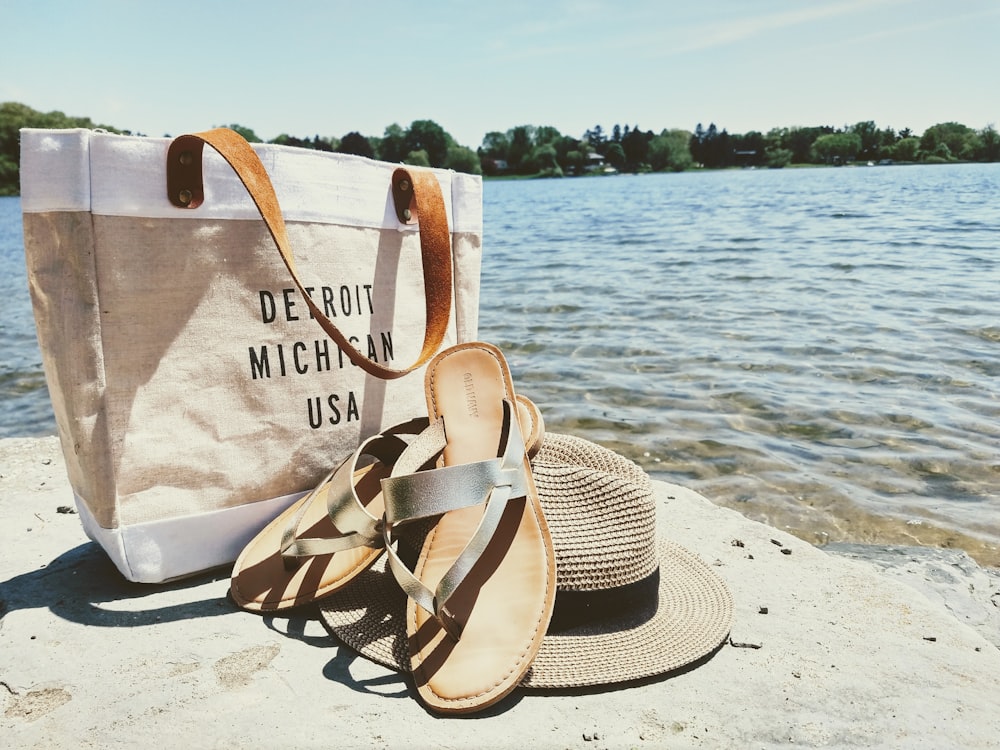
(677, 616)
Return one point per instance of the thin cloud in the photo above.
(747, 28)
(916, 28)
(657, 40)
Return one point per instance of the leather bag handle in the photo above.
(426, 207)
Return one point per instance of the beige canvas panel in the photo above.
(63, 290)
(208, 393)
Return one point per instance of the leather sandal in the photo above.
(333, 533)
(480, 596)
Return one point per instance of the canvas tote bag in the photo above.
(221, 326)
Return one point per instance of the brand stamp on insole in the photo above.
(470, 394)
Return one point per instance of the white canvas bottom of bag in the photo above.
(180, 547)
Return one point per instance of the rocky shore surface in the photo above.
(847, 646)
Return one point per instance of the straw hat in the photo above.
(629, 605)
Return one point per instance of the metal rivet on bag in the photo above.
(406, 214)
(404, 185)
(184, 197)
(186, 158)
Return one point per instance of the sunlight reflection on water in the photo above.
(816, 348)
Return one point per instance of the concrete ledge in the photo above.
(947, 576)
(825, 651)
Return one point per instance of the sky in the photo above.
(329, 68)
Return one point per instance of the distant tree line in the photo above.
(424, 143)
(863, 141)
(542, 151)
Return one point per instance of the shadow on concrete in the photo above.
(75, 585)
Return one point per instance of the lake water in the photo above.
(817, 348)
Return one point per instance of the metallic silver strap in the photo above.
(436, 491)
(358, 527)
(422, 450)
(490, 483)
(313, 547)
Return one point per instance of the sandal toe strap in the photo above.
(410, 497)
(358, 527)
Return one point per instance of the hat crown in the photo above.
(601, 513)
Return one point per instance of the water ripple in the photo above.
(816, 348)
(832, 370)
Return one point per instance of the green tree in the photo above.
(565, 146)
(905, 149)
(546, 134)
(495, 145)
(870, 137)
(542, 162)
(800, 142)
(427, 135)
(696, 145)
(596, 138)
(576, 161)
(417, 159)
(357, 144)
(750, 149)
(776, 156)
(521, 139)
(717, 148)
(989, 144)
(887, 139)
(463, 159)
(392, 146)
(9, 175)
(635, 144)
(324, 144)
(949, 140)
(706, 150)
(837, 148)
(615, 155)
(670, 151)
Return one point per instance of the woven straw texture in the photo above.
(630, 605)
